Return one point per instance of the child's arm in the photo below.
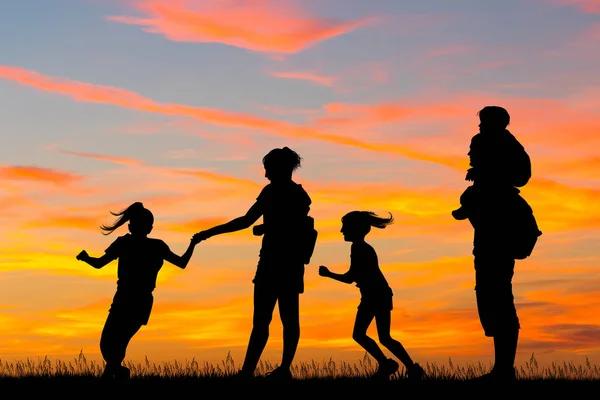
(96, 262)
(344, 278)
(183, 260)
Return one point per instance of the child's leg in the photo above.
(118, 331)
(364, 317)
(264, 304)
(383, 321)
(289, 311)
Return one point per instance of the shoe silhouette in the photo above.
(498, 376)
(415, 373)
(385, 370)
(119, 373)
(280, 374)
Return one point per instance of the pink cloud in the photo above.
(322, 80)
(589, 6)
(109, 95)
(271, 26)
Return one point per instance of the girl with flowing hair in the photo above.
(140, 260)
(376, 301)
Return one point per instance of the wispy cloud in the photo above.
(322, 80)
(270, 26)
(112, 159)
(119, 97)
(38, 174)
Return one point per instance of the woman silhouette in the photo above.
(287, 245)
(140, 259)
(376, 301)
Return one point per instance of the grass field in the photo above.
(62, 377)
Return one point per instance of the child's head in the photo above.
(140, 220)
(281, 163)
(356, 224)
(493, 118)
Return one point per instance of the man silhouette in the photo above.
(499, 164)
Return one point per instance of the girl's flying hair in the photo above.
(136, 213)
(367, 219)
(284, 159)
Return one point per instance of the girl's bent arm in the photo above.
(344, 278)
(183, 260)
(98, 262)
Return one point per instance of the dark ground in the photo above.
(225, 388)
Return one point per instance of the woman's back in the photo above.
(285, 207)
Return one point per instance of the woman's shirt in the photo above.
(285, 207)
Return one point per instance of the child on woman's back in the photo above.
(376, 301)
(140, 259)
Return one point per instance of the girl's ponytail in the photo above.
(368, 219)
(124, 216)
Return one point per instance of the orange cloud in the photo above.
(103, 94)
(84, 222)
(351, 114)
(322, 80)
(117, 160)
(540, 131)
(270, 26)
(38, 174)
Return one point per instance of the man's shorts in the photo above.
(495, 300)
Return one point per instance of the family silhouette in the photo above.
(505, 230)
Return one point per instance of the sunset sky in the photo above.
(174, 103)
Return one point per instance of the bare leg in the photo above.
(264, 304)
(289, 311)
(383, 321)
(116, 335)
(364, 317)
(505, 350)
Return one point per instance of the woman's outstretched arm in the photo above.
(237, 224)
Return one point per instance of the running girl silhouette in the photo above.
(376, 301)
(140, 259)
(287, 245)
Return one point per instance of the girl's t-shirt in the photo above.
(365, 272)
(140, 260)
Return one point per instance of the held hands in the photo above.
(200, 236)
(83, 255)
(324, 271)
